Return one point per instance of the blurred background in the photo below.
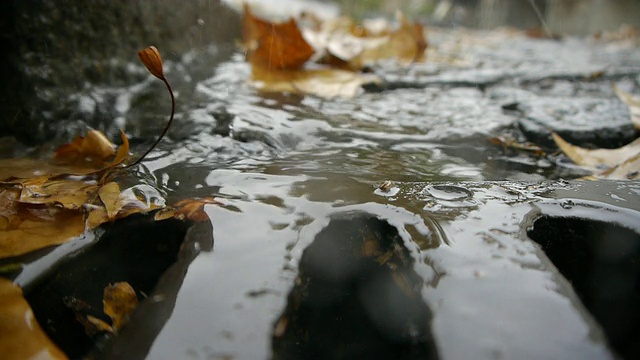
(53, 50)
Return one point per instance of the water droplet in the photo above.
(449, 192)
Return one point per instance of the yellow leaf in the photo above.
(597, 157)
(30, 229)
(21, 335)
(119, 302)
(110, 197)
(70, 194)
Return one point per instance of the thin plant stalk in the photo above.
(151, 59)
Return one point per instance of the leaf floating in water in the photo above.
(22, 337)
(119, 302)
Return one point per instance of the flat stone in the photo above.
(603, 123)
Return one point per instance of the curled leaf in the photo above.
(597, 157)
(152, 60)
(90, 150)
(110, 195)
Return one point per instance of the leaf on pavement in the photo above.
(22, 337)
(119, 301)
(632, 102)
(628, 170)
(597, 157)
(275, 46)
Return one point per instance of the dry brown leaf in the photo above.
(69, 159)
(21, 336)
(91, 150)
(193, 209)
(119, 301)
(276, 46)
(508, 141)
(597, 157)
(632, 102)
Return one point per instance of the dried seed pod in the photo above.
(151, 58)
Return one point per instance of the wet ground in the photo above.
(456, 218)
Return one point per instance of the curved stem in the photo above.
(166, 129)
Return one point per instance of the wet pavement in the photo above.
(284, 166)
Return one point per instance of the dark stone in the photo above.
(356, 297)
(53, 49)
(602, 262)
(586, 122)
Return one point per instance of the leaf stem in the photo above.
(166, 129)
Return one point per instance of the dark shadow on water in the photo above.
(602, 262)
(356, 297)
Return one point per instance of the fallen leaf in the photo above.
(110, 197)
(628, 170)
(77, 158)
(597, 157)
(632, 102)
(275, 46)
(507, 141)
(327, 83)
(22, 337)
(91, 150)
(69, 194)
(122, 153)
(119, 301)
(345, 44)
(193, 209)
(93, 325)
(25, 228)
